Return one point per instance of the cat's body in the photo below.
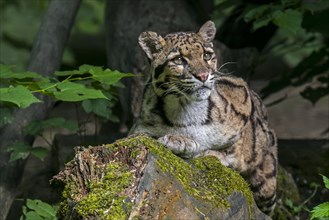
(196, 111)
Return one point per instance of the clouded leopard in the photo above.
(195, 110)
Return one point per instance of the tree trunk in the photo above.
(46, 58)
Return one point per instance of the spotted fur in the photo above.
(194, 110)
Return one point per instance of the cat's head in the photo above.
(182, 63)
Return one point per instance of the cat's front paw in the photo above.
(180, 145)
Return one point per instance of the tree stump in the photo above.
(138, 178)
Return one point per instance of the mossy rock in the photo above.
(287, 190)
(138, 178)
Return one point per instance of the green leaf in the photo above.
(20, 75)
(119, 85)
(99, 107)
(289, 19)
(16, 155)
(31, 215)
(47, 85)
(68, 73)
(85, 68)
(19, 150)
(36, 127)
(325, 181)
(320, 211)
(18, 95)
(314, 6)
(24, 209)
(261, 23)
(73, 92)
(87, 105)
(288, 203)
(41, 208)
(39, 152)
(108, 76)
(254, 12)
(59, 122)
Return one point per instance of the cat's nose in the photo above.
(202, 76)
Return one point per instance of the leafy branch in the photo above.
(91, 85)
(19, 88)
(301, 41)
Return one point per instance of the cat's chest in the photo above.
(181, 113)
(208, 136)
(193, 120)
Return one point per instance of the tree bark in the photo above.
(45, 58)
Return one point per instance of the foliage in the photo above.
(322, 210)
(301, 40)
(88, 82)
(21, 150)
(92, 85)
(20, 21)
(38, 210)
(296, 208)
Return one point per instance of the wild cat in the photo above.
(194, 110)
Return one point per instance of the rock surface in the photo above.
(137, 178)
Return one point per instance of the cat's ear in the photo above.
(208, 31)
(151, 43)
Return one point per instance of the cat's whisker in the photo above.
(223, 65)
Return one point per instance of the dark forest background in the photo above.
(280, 47)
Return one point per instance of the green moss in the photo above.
(285, 181)
(106, 198)
(286, 189)
(203, 178)
(211, 181)
(62, 209)
(220, 180)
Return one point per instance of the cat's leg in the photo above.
(180, 145)
(263, 183)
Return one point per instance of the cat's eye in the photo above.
(207, 56)
(179, 60)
